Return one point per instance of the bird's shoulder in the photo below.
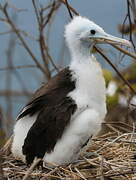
(61, 80)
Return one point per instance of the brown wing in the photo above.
(50, 94)
(48, 128)
(54, 110)
(63, 78)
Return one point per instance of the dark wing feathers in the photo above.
(50, 94)
(54, 111)
(47, 129)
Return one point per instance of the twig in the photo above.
(52, 171)
(70, 7)
(39, 17)
(133, 8)
(15, 8)
(101, 168)
(67, 4)
(6, 92)
(42, 44)
(5, 33)
(6, 148)
(50, 58)
(34, 164)
(54, 7)
(106, 145)
(124, 51)
(123, 24)
(117, 123)
(1, 167)
(18, 67)
(131, 137)
(4, 10)
(2, 19)
(112, 128)
(113, 66)
(90, 162)
(130, 24)
(9, 57)
(69, 171)
(80, 174)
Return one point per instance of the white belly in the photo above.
(68, 147)
(21, 129)
(77, 133)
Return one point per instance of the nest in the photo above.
(109, 157)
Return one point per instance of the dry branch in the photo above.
(17, 67)
(70, 7)
(130, 23)
(34, 164)
(10, 22)
(133, 55)
(113, 66)
(15, 93)
(43, 21)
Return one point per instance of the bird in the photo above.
(67, 111)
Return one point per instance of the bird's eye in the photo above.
(92, 31)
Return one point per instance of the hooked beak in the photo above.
(107, 38)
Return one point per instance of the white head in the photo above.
(81, 34)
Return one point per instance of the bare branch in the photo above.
(112, 65)
(15, 93)
(130, 23)
(67, 4)
(18, 67)
(133, 55)
(42, 22)
(4, 10)
(34, 164)
(70, 7)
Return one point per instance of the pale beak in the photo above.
(107, 38)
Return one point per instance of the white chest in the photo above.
(90, 86)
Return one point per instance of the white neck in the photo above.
(90, 84)
(80, 52)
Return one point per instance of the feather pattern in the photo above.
(48, 129)
(48, 94)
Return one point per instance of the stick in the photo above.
(67, 4)
(113, 66)
(70, 7)
(6, 148)
(22, 40)
(34, 164)
(124, 51)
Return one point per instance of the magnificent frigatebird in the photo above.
(69, 109)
